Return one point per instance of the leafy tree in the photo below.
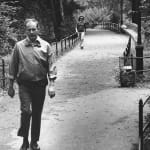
(7, 35)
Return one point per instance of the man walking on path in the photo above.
(80, 29)
(32, 65)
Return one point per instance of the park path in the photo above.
(90, 110)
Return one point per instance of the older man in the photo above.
(30, 64)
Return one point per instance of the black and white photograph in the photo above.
(74, 74)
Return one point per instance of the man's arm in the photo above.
(13, 69)
(52, 72)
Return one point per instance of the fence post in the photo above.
(56, 48)
(140, 124)
(72, 40)
(65, 44)
(3, 73)
(76, 38)
(132, 60)
(69, 41)
(61, 46)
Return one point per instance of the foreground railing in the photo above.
(143, 136)
(132, 61)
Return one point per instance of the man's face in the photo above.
(32, 30)
(81, 20)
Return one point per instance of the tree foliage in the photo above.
(94, 15)
(54, 16)
(101, 10)
(7, 33)
(57, 18)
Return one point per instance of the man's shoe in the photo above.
(24, 146)
(34, 146)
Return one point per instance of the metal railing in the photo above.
(3, 76)
(127, 58)
(132, 61)
(59, 47)
(64, 44)
(127, 51)
(143, 137)
(110, 26)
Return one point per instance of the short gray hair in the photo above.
(31, 20)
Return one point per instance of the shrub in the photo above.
(95, 15)
(7, 35)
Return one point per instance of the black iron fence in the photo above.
(129, 59)
(143, 126)
(110, 26)
(4, 74)
(126, 59)
(132, 61)
(59, 47)
(64, 44)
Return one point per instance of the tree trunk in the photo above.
(134, 11)
(54, 17)
(62, 10)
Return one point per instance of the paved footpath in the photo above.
(90, 110)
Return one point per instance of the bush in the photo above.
(114, 17)
(95, 15)
(7, 14)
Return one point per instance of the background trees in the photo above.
(7, 34)
(57, 18)
(105, 10)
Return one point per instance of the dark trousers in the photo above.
(31, 100)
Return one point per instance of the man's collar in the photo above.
(29, 43)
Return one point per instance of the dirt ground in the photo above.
(90, 110)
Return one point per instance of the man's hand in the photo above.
(51, 91)
(11, 91)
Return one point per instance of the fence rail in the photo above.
(59, 47)
(129, 59)
(142, 128)
(132, 61)
(109, 26)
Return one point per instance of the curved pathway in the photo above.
(90, 110)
